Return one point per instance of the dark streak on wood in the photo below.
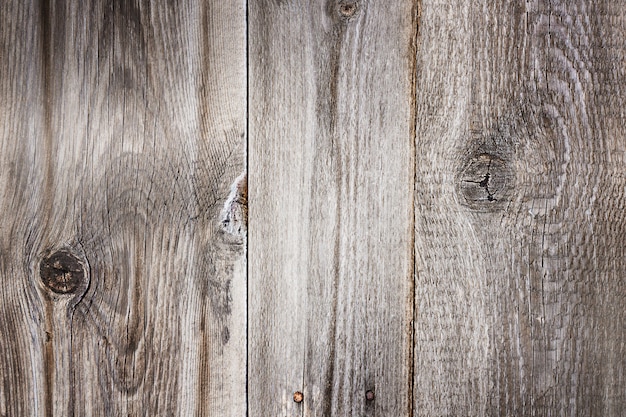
(52, 44)
(123, 20)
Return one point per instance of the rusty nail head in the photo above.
(298, 396)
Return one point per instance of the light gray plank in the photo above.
(122, 130)
(331, 193)
(521, 278)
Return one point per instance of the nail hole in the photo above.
(298, 397)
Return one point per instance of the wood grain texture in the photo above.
(437, 198)
(520, 230)
(122, 127)
(331, 192)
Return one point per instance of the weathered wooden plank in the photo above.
(122, 128)
(331, 192)
(520, 232)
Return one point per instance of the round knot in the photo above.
(62, 272)
(486, 182)
(347, 10)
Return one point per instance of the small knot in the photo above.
(347, 10)
(62, 272)
(485, 182)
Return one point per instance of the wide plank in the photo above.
(520, 227)
(123, 130)
(331, 207)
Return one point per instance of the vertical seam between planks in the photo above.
(247, 168)
(413, 61)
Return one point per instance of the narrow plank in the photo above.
(331, 183)
(123, 127)
(519, 229)
(24, 377)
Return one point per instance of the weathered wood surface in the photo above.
(520, 198)
(437, 199)
(122, 127)
(331, 197)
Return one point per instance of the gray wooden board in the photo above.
(122, 128)
(331, 197)
(520, 225)
(437, 208)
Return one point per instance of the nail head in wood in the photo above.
(369, 395)
(62, 272)
(298, 397)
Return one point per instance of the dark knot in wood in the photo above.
(62, 272)
(485, 181)
(369, 395)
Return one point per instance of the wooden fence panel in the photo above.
(437, 199)
(122, 129)
(331, 193)
(520, 226)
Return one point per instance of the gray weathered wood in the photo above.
(122, 126)
(520, 226)
(331, 196)
(437, 208)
